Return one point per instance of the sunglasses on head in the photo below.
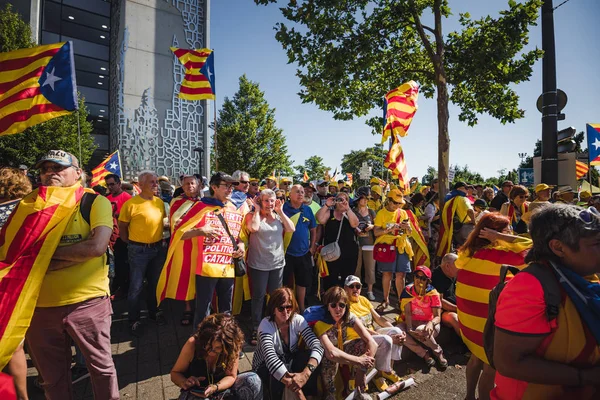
(357, 286)
(340, 305)
(283, 308)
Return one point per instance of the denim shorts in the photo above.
(401, 264)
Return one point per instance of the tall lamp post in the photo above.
(200, 151)
(522, 156)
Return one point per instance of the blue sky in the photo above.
(242, 36)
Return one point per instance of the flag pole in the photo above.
(215, 134)
(79, 135)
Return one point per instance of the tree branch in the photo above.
(422, 34)
(429, 29)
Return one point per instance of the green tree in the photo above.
(58, 133)
(247, 137)
(373, 156)
(464, 174)
(351, 52)
(314, 167)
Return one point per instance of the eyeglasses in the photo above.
(395, 202)
(285, 308)
(281, 198)
(227, 185)
(340, 305)
(254, 184)
(421, 277)
(53, 168)
(245, 182)
(356, 286)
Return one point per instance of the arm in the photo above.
(492, 235)
(336, 355)
(352, 218)
(471, 215)
(408, 317)
(124, 231)
(288, 225)
(94, 246)
(181, 366)
(366, 337)
(379, 231)
(253, 221)
(448, 306)
(323, 213)
(300, 379)
(313, 240)
(379, 320)
(437, 318)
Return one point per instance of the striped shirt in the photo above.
(270, 345)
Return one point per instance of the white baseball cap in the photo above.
(350, 279)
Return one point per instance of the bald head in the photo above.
(448, 267)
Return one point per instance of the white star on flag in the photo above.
(210, 74)
(112, 166)
(596, 143)
(51, 79)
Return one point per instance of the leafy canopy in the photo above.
(351, 52)
(247, 138)
(314, 167)
(373, 156)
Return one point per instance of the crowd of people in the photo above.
(303, 252)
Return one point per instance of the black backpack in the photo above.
(552, 298)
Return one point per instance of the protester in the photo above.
(366, 239)
(432, 212)
(141, 224)
(392, 250)
(516, 207)
(479, 260)
(207, 365)
(73, 302)
(271, 182)
(333, 189)
(374, 202)
(418, 208)
(421, 311)
(339, 223)
(300, 246)
(344, 339)
(537, 357)
(288, 351)
(501, 197)
(443, 280)
(471, 194)
(595, 202)
(389, 338)
(285, 184)
(584, 198)
(266, 226)
(280, 195)
(488, 195)
(240, 192)
(457, 219)
(542, 196)
(479, 191)
(253, 190)
(309, 197)
(566, 195)
(322, 191)
(166, 190)
(480, 208)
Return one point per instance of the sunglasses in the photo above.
(53, 168)
(589, 215)
(281, 198)
(340, 305)
(228, 185)
(395, 202)
(253, 183)
(421, 277)
(244, 182)
(356, 286)
(284, 308)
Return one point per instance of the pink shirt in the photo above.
(421, 307)
(119, 200)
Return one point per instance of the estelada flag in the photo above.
(199, 80)
(305, 178)
(581, 169)
(349, 178)
(394, 161)
(36, 85)
(27, 242)
(593, 141)
(112, 165)
(399, 108)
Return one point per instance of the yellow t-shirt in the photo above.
(362, 309)
(84, 281)
(462, 207)
(145, 219)
(401, 241)
(374, 205)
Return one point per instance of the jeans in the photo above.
(121, 266)
(49, 342)
(205, 288)
(263, 282)
(144, 262)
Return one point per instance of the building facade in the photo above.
(129, 77)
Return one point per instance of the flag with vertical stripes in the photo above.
(112, 165)
(394, 161)
(305, 178)
(199, 80)
(36, 85)
(581, 169)
(27, 242)
(399, 108)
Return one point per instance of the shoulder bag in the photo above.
(239, 265)
(332, 251)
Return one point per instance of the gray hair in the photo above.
(237, 175)
(190, 176)
(142, 176)
(449, 258)
(267, 193)
(562, 222)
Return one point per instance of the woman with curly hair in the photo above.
(207, 366)
(14, 185)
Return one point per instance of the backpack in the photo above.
(552, 298)
(85, 209)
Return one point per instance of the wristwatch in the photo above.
(311, 368)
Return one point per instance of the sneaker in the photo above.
(380, 384)
(442, 362)
(136, 329)
(370, 296)
(391, 376)
(79, 373)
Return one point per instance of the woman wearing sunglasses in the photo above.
(421, 309)
(516, 207)
(490, 245)
(344, 338)
(392, 250)
(279, 361)
(207, 366)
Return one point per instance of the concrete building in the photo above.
(130, 78)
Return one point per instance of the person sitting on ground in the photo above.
(208, 363)
(266, 225)
(392, 231)
(421, 309)
(344, 338)
(538, 358)
(364, 232)
(279, 361)
(443, 280)
(389, 338)
(479, 260)
(516, 207)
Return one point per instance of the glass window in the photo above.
(91, 65)
(94, 95)
(101, 141)
(96, 6)
(84, 18)
(97, 110)
(51, 20)
(49, 37)
(85, 33)
(84, 48)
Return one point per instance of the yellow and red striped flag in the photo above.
(199, 80)
(394, 161)
(112, 165)
(399, 108)
(581, 169)
(305, 178)
(36, 85)
(27, 242)
(349, 178)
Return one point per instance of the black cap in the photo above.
(219, 177)
(480, 203)
(363, 191)
(459, 185)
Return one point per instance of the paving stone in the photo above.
(150, 391)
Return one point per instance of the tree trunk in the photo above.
(443, 136)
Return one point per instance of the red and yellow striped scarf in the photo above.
(27, 242)
(446, 227)
(421, 256)
(512, 215)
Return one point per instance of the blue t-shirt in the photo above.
(300, 243)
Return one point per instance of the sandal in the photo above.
(253, 340)
(442, 362)
(382, 307)
(429, 360)
(186, 318)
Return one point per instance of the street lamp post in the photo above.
(522, 156)
(200, 151)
